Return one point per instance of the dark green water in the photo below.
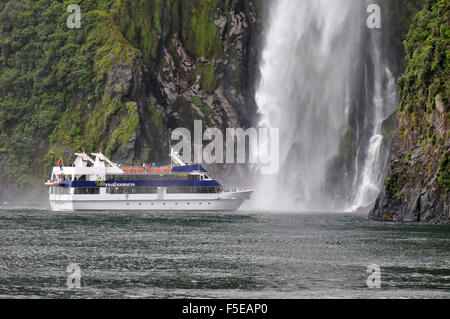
(226, 255)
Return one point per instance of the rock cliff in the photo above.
(418, 180)
(133, 71)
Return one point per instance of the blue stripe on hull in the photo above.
(84, 184)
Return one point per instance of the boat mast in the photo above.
(170, 151)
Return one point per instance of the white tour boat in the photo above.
(101, 184)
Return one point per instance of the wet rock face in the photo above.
(214, 88)
(126, 84)
(135, 70)
(417, 187)
(170, 63)
(413, 189)
(208, 77)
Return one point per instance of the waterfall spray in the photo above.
(310, 76)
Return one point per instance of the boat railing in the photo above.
(238, 190)
(147, 170)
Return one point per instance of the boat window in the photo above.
(131, 190)
(56, 190)
(191, 190)
(87, 191)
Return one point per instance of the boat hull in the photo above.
(223, 202)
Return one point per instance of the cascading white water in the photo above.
(384, 103)
(372, 174)
(308, 79)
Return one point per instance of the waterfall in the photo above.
(325, 91)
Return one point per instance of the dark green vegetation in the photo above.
(444, 171)
(117, 84)
(52, 86)
(418, 184)
(397, 18)
(427, 74)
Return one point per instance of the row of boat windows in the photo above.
(170, 190)
(136, 190)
